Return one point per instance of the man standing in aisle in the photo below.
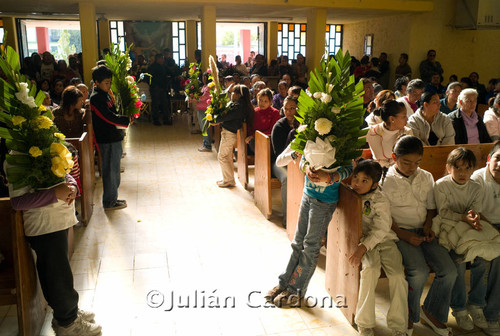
(159, 83)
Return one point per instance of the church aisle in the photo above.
(184, 238)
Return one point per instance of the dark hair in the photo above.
(398, 85)
(455, 78)
(265, 92)
(473, 72)
(101, 73)
(207, 76)
(245, 102)
(158, 56)
(495, 148)
(296, 89)
(365, 59)
(383, 53)
(75, 81)
(290, 98)
(426, 97)
(430, 50)
(381, 98)
(496, 102)
(70, 97)
(283, 83)
(101, 62)
(391, 108)
(408, 144)
(375, 61)
(370, 167)
(466, 80)
(405, 56)
(461, 154)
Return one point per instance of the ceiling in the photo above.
(169, 10)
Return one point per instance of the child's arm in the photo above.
(429, 234)
(286, 157)
(443, 207)
(409, 237)
(100, 107)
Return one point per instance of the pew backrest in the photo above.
(242, 156)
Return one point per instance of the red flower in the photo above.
(191, 95)
(209, 100)
(192, 87)
(209, 71)
(187, 81)
(137, 115)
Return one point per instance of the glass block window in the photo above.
(179, 42)
(333, 38)
(368, 44)
(117, 34)
(292, 39)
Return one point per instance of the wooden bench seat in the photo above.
(18, 277)
(87, 177)
(243, 160)
(263, 181)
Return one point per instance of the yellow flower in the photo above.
(58, 170)
(35, 151)
(42, 108)
(209, 117)
(60, 136)
(191, 72)
(211, 84)
(43, 122)
(18, 120)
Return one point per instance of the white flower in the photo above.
(326, 98)
(318, 95)
(323, 126)
(336, 110)
(129, 63)
(320, 154)
(23, 95)
(331, 138)
(301, 128)
(130, 79)
(330, 88)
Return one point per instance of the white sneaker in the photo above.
(493, 329)
(79, 327)
(365, 331)
(463, 320)
(398, 333)
(478, 316)
(86, 315)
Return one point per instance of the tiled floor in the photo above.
(183, 237)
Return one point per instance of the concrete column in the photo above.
(104, 34)
(191, 43)
(88, 31)
(315, 47)
(272, 41)
(245, 44)
(42, 39)
(9, 26)
(208, 34)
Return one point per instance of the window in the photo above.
(368, 44)
(117, 34)
(333, 38)
(179, 42)
(292, 39)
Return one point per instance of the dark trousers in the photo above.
(111, 154)
(160, 104)
(54, 272)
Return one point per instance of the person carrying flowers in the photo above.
(329, 139)
(37, 168)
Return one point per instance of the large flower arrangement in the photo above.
(192, 88)
(123, 85)
(331, 116)
(219, 99)
(38, 156)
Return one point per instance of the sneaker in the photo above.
(493, 329)
(273, 293)
(463, 320)
(435, 328)
(287, 299)
(119, 204)
(204, 149)
(477, 315)
(222, 184)
(409, 332)
(365, 331)
(398, 333)
(79, 327)
(85, 315)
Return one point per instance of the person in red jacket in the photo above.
(264, 118)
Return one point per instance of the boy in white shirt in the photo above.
(377, 248)
(489, 179)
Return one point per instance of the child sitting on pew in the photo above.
(489, 179)
(319, 200)
(377, 248)
(468, 238)
(410, 193)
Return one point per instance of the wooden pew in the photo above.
(481, 108)
(243, 160)
(18, 278)
(345, 229)
(263, 182)
(86, 161)
(215, 132)
(295, 186)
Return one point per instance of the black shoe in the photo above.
(119, 204)
(168, 122)
(157, 123)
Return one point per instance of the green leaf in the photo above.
(6, 133)
(12, 58)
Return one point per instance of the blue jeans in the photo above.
(111, 154)
(207, 141)
(492, 308)
(314, 217)
(281, 174)
(415, 260)
(477, 292)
